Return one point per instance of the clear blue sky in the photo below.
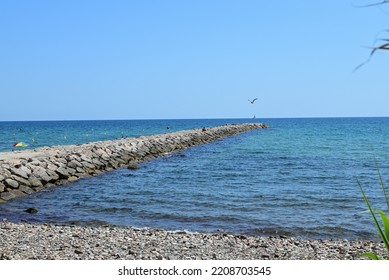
(66, 60)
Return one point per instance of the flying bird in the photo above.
(252, 101)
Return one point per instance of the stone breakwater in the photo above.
(28, 171)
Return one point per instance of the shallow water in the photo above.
(296, 178)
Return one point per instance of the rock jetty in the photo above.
(28, 171)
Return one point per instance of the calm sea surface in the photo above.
(296, 178)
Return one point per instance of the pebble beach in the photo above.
(23, 241)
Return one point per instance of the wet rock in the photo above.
(26, 189)
(72, 178)
(35, 182)
(31, 210)
(17, 193)
(133, 166)
(7, 196)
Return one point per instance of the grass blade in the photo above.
(385, 222)
(371, 256)
(382, 234)
(382, 186)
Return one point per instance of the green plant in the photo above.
(384, 232)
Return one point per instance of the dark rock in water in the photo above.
(133, 166)
(31, 210)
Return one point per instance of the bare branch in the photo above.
(384, 47)
(373, 4)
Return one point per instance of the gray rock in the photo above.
(11, 183)
(21, 180)
(52, 174)
(132, 166)
(35, 162)
(88, 165)
(74, 164)
(70, 170)
(7, 196)
(63, 173)
(86, 158)
(51, 166)
(79, 170)
(26, 189)
(26, 169)
(19, 172)
(17, 193)
(35, 182)
(5, 172)
(42, 175)
(97, 163)
(61, 160)
(72, 178)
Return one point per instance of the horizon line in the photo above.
(173, 119)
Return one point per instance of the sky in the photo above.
(165, 59)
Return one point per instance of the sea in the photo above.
(298, 178)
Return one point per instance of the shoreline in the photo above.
(23, 241)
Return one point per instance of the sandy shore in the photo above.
(27, 241)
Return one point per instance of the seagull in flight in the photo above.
(252, 101)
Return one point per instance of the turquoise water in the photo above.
(296, 178)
